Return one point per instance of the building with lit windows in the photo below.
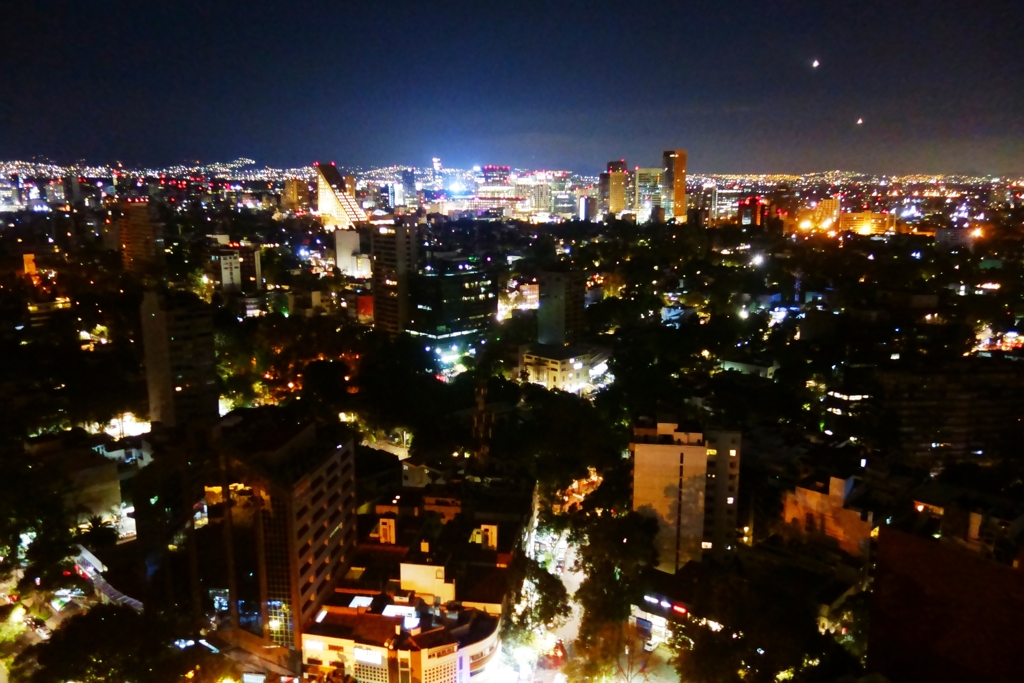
(141, 236)
(383, 639)
(566, 368)
(292, 500)
(612, 188)
(395, 258)
(689, 482)
(450, 297)
(867, 222)
(336, 198)
(496, 175)
(295, 197)
(646, 192)
(179, 357)
(673, 184)
(234, 268)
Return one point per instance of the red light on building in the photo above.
(679, 609)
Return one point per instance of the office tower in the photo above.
(409, 187)
(235, 269)
(646, 192)
(181, 371)
(335, 198)
(292, 500)
(295, 197)
(618, 166)
(688, 481)
(437, 164)
(141, 237)
(395, 253)
(673, 184)
(612, 192)
(496, 175)
(560, 311)
(451, 298)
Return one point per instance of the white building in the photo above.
(689, 482)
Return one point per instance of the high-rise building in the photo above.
(292, 500)
(673, 184)
(612, 189)
(295, 197)
(560, 311)
(689, 482)
(180, 363)
(336, 199)
(646, 192)
(409, 187)
(141, 237)
(451, 298)
(618, 166)
(395, 254)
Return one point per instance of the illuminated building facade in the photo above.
(613, 193)
(566, 368)
(401, 642)
(673, 184)
(867, 223)
(689, 482)
(141, 237)
(295, 197)
(348, 254)
(180, 362)
(336, 199)
(818, 507)
(646, 192)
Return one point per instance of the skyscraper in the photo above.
(612, 188)
(673, 184)
(180, 363)
(335, 199)
(560, 311)
(646, 192)
(141, 237)
(395, 253)
(409, 187)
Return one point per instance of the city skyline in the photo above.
(778, 89)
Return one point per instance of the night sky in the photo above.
(555, 84)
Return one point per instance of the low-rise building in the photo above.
(823, 507)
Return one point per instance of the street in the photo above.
(658, 669)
